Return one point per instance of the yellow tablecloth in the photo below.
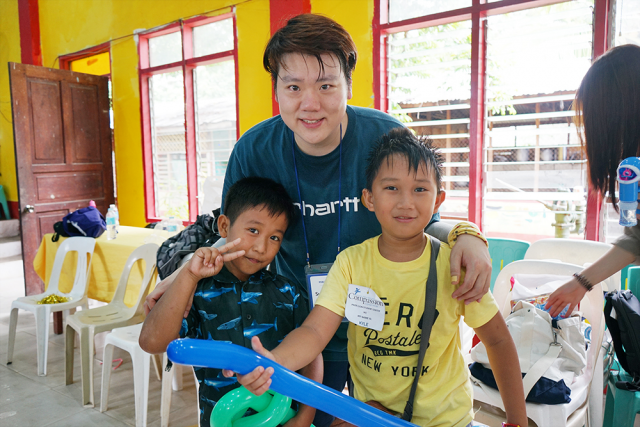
(109, 258)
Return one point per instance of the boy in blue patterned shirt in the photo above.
(235, 298)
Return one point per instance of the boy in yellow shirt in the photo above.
(404, 190)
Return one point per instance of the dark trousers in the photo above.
(335, 376)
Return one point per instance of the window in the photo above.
(626, 22)
(188, 89)
(429, 90)
(492, 83)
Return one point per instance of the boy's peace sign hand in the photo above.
(207, 262)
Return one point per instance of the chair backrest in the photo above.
(503, 252)
(147, 253)
(579, 252)
(591, 305)
(633, 280)
(84, 247)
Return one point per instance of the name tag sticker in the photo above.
(364, 308)
(315, 281)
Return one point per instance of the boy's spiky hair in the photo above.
(252, 192)
(417, 150)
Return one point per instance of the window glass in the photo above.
(215, 90)
(626, 25)
(400, 10)
(535, 182)
(429, 90)
(213, 38)
(166, 101)
(165, 49)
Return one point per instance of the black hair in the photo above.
(253, 192)
(608, 115)
(313, 35)
(417, 150)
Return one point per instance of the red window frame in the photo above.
(477, 13)
(187, 65)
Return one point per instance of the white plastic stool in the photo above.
(127, 338)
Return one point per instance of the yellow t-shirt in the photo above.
(444, 394)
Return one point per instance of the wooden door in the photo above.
(63, 150)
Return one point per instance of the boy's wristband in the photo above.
(465, 227)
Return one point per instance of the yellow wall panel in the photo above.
(255, 84)
(9, 52)
(98, 65)
(356, 17)
(127, 133)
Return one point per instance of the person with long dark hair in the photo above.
(608, 119)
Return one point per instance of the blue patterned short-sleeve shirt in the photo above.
(226, 309)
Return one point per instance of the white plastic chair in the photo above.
(78, 297)
(579, 411)
(127, 338)
(579, 252)
(113, 315)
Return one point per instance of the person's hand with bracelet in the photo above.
(469, 251)
(572, 292)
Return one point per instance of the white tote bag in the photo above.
(543, 351)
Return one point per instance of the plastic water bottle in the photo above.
(628, 176)
(172, 225)
(114, 208)
(111, 225)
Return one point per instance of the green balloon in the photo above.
(272, 409)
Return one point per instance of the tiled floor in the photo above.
(29, 400)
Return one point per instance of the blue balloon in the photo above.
(214, 354)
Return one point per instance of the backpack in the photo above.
(85, 222)
(203, 232)
(622, 315)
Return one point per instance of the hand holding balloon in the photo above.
(257, 381)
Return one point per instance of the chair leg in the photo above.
(165, 404)
(13, 324)
(42, 338)
(86, 362)
(69, 339)
(157, 368)
(177, 377)
(107, 357)
(141, 365)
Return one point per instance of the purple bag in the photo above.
(85, 222)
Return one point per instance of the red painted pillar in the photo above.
(476, 115)
(380, 16)
(29, 18)
(280, 11)
(29, 24)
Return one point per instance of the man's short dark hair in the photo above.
(312, 35)
(253, 192)
(417, 150)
